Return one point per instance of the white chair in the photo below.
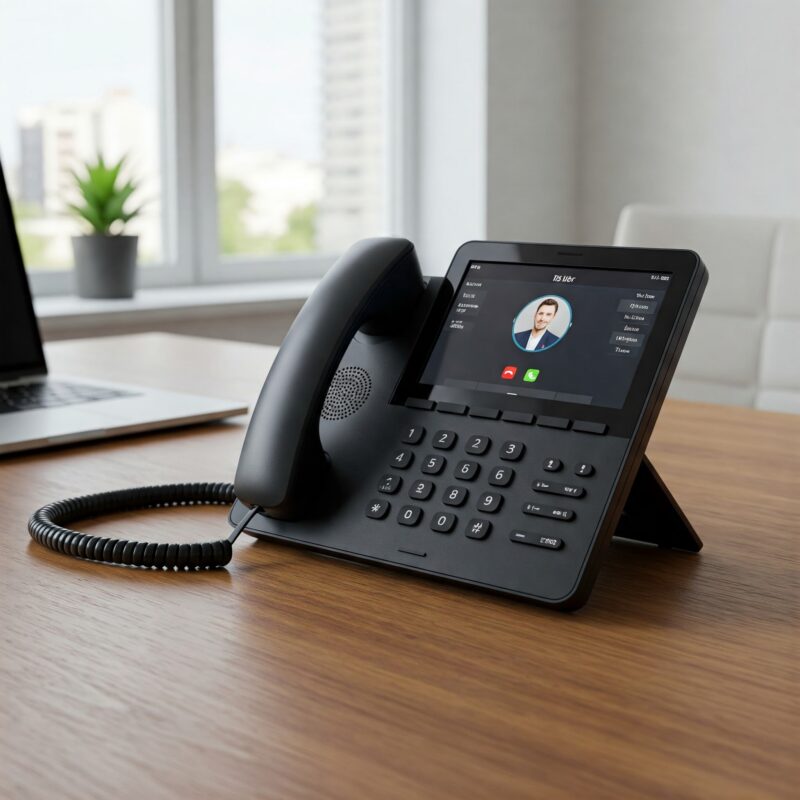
(744, 348)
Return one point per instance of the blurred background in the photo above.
(268, 135)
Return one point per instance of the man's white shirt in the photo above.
(533, 339)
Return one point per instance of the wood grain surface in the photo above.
(291, 675)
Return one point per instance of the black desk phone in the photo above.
(487, 427)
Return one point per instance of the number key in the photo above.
(490, 502)
(390, 484)
(433, 465)
(420, 490)
(467, 470)
(455, 496)
(444, 440)
(501, 476)
(512, 451)
(583, 469)
(478, 445)
(552, 464)
(402, 459)
(414, 434)
(443, 522)
(409, 515)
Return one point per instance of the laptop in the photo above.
(37, 410)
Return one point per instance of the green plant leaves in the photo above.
(116, 201)
(103, 199)
(91, 215)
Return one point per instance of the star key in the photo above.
(377, 509)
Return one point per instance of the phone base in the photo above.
(652, 514)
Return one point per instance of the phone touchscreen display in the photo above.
(553, 333)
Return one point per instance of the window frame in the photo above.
(187, 114)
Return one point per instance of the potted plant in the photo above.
(105, 260)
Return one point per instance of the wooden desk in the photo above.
(292, 675)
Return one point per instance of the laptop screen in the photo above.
(20, 345)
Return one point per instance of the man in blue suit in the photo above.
(539, 338)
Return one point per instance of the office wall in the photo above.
(588, 105)
(532, 120)
(497, 126)
(689, 103)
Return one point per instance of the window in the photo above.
(299, 124)
(79, 77)
(257, 129)
(268, 160)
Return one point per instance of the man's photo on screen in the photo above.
(542, 323)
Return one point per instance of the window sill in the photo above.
(60, 315)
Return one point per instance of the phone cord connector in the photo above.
(46, 526)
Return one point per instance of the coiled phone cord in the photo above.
(46, 527)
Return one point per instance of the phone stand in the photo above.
(652, 514)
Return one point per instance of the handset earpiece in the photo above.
(375, 286)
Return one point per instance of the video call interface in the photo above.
(553, 333)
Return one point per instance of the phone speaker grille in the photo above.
(349, 390)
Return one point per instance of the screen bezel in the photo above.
(10, 250)
(683, 265)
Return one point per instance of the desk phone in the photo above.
(487, 427)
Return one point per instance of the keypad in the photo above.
(490, 502)
(378, 509)
(467, 470)
(478, 445)
(501, 476)
(444, 440)
(558, 488)
(536, 539)
(551, 512)
(414, 434)
(478, 528)
(443, 522)
(390, 484)
(433, 465)
(409, 515)
(421, 490)
(487, 496)
(402, 459)
(512, 451)
(455, 495)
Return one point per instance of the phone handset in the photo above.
(374, 286)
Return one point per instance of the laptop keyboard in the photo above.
(51, 394)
